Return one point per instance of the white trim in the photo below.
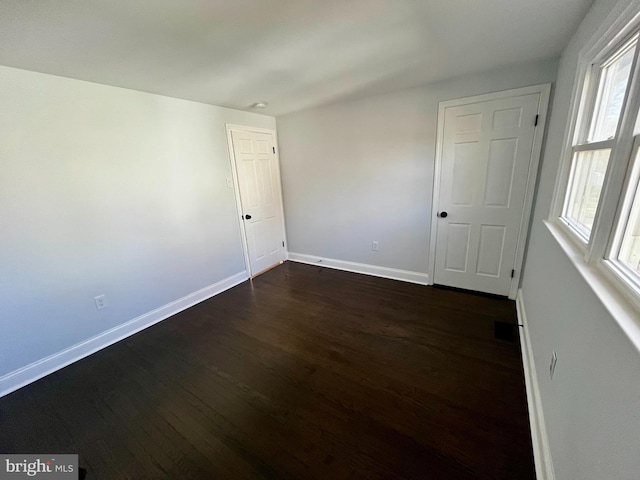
(612, 29)
(543, 105)
(619, 162)
(564, 169)
(532, 175)
(437, 169)
(236, 187)
(36, 370)
(571, 233)
(608, 34)
(236, 193)
(619, 276)
(364, 268)
(617, 293)
(248, 128)
(485, 97)
(626, 204)
(601, 145)
(539, 439)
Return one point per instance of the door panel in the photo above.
(490, 250)
(507, 118)
(457, 247)
(486, 153)
(463, 181)
(500, 168)
(259, 184)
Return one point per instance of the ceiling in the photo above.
(294, 54)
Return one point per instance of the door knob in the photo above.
(443, 214)
(247, 217)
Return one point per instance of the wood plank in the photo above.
(303, 372)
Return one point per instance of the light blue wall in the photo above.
(360, 171)
(592, 405)
(106, 191)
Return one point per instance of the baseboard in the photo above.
(392, 273)
(36, 370)
(541, 450)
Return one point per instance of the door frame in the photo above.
(544, 90)
(236, 188)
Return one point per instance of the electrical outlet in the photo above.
(552, 364)
(375, 246)
(101, 301)
(229, 183)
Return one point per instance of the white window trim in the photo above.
(620, 147)
(620, 298)
(610, 32)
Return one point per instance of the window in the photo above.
(596, 135)
(588, 171)
(598, 195)
(624, 254)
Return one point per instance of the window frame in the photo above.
(615, 199)
(620, 274)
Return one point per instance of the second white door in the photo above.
(260, 198)
(486, 153)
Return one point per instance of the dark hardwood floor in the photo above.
(303, 373)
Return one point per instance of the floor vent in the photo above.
(505, 331)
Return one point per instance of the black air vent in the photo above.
(505, 331)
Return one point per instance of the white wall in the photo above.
(106, 191)
(362, 171)
(592, 405)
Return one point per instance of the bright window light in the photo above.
(614, 78)
(602, 109)
(629, 253)
(589, 169)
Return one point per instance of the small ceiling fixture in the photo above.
(259, 105)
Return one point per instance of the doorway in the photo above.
(256, 173)
(487, 156)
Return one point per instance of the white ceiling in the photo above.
(293, 54)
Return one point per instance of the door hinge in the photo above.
(535, 124)
(513, 273)
(274, 149)
(283, 244)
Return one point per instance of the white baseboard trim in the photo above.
(392, 273)
(541, 449)
(36, 370)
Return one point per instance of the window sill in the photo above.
(623, 310)
(579, 243)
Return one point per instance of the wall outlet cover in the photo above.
(552, 364)
(101, 301)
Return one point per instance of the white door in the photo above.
(486, 153)
(260, 198)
